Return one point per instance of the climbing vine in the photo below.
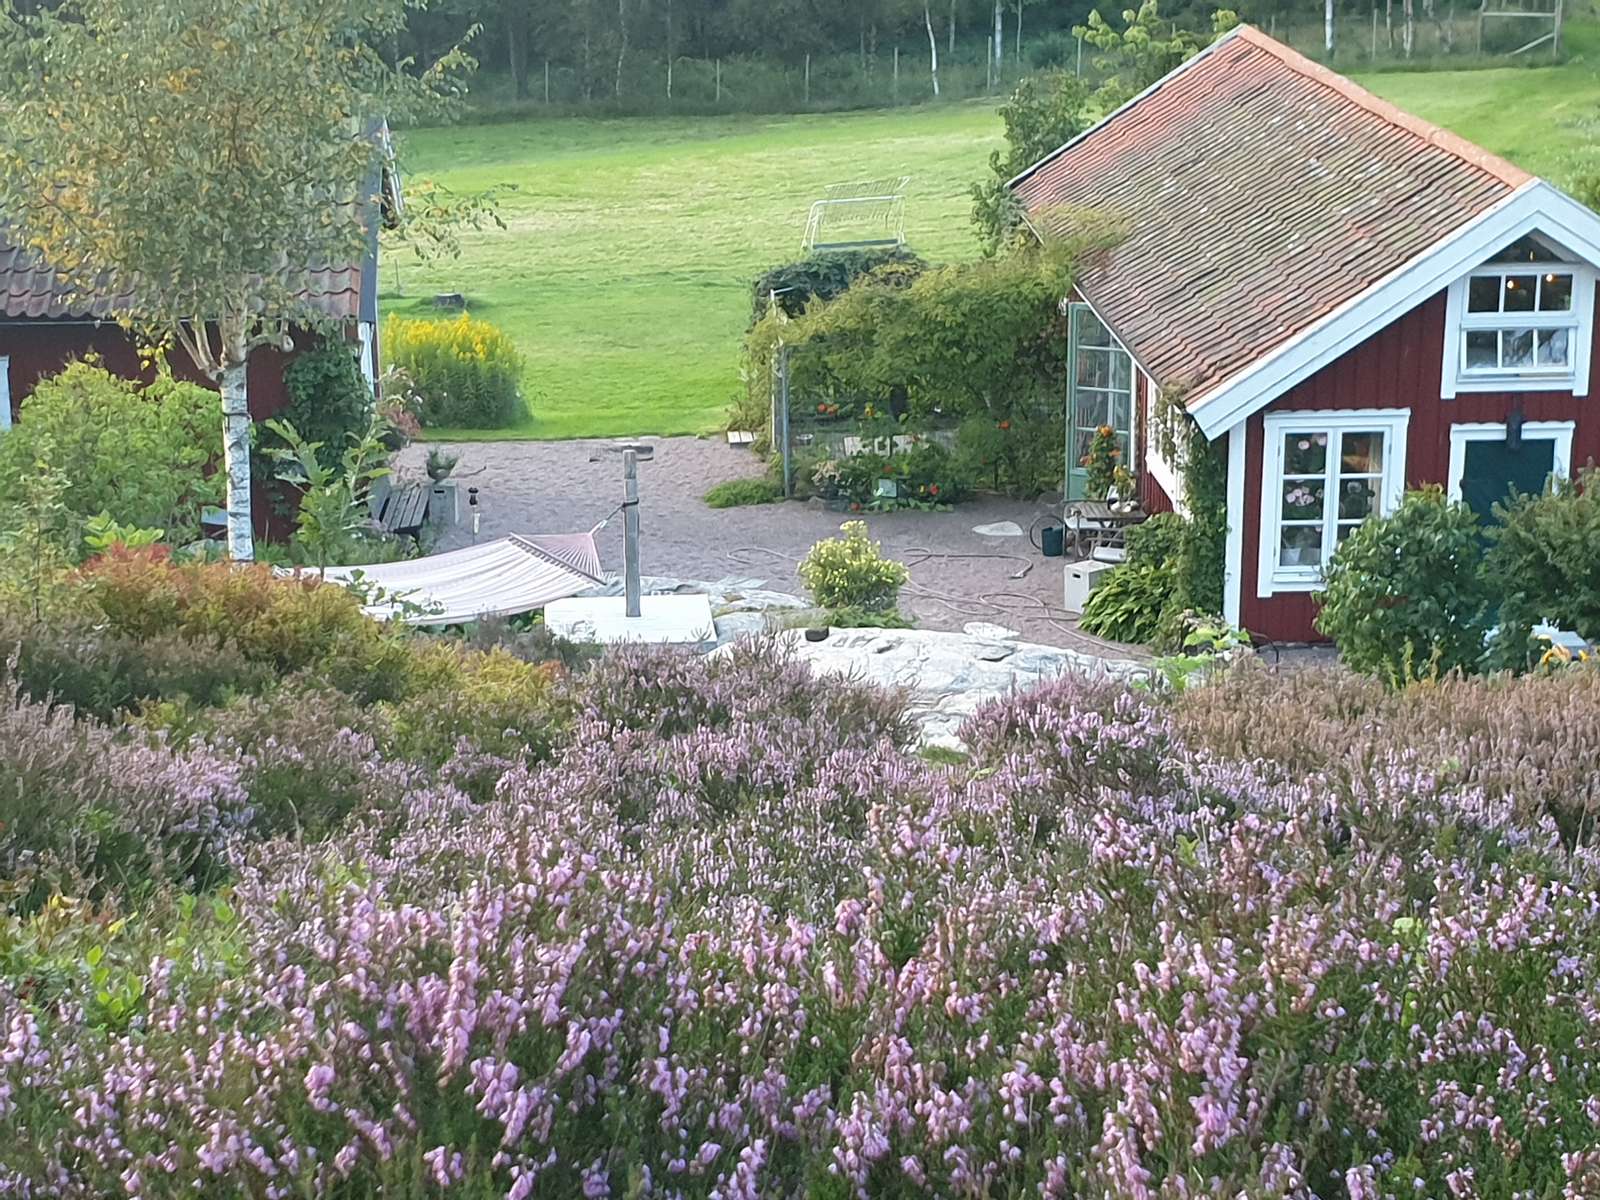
(1204, 466)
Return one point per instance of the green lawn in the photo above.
(630, 245)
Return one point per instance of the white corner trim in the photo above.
(1493, 431)
(1233, 554)
(1535, 206)
(1453, 380)
(5, 391)
(1394, 423)
(369, 364)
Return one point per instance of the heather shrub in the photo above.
(1543, 564)
(489, 701)
(289, 624)
(84, 810)
(467, 373)
(78, 662)
(1403, 596)
(1526, 741)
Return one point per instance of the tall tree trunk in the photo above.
(999, 37)
(1410, 34)
(933, 47)
(1388, 23)
(622, 49)
(1016, 41)
(669, 49)
(517, 48)
(1327, 27)
(952, 30)
(236, 450)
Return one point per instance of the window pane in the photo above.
(1516, 347)
(1302, 499)
(1300, 546)
(1483, 349)
(1555, 293)
(1553, 347)
(1520, 292)
(1094, 409)
(1483, 294)
(1358, 499)
(1090, 330)
(1361, 454)
(1305, 453)
(1094, 367)
(1524, 250)
(1121, 372)
(1346, 529)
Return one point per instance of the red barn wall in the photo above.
(1401, 366)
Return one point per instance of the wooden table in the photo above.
(1101, 525)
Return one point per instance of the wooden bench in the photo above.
(404, 510)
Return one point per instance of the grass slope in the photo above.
(625, 268)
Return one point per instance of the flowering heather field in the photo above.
(723, 935)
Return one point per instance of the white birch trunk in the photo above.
(236, 459)
(999, 37)
(1327, 27)
(933, 48)
(1409, 36)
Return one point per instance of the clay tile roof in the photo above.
(30, 289)
(1260, 190)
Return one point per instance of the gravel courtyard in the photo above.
(956, 575)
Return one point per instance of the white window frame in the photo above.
(1579, 319)
(1495, 431)
(1273, 578)
(5, 392)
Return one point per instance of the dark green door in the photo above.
(1490, 471)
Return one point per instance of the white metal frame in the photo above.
(1393, 423)
(1560, 432)
(880, 202)
(5, 391)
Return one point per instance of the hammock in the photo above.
(509, 575)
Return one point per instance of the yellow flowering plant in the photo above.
(852, 572)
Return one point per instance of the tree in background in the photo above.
(1144, 50)
(1044, 113)
(202, 155)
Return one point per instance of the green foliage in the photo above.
(1100, 464)
(829, 274)
(333, 512)
(1020, 454)
(1403, 597)
(1205, 489)
(855, 617)
(140, 453)
(467, 372)
(926, 475)
(1143, 51)
(330, 401)
(499, 703)
(1543, 563)
(1126, 605)
(36, 539)
(1044, 113)
(851, 572)
(101, 533)
(735, 493)
(1206, 651)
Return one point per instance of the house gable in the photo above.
(1536, 208)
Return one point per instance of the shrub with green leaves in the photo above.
(1403, 597)
(1138, 600)
(828, 274)
(1543, 564)
(140, 453)
(467, 372)
(330, 401)
(736, 493)
(851, 571)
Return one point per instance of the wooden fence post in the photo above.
(808, 81)
(719, 81)
(547, 81)
(894, 93)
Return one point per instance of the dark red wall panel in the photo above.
(1398, 367)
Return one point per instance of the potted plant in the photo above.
(440, 464)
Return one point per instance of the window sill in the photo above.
(1516, 383)
(1297, 581)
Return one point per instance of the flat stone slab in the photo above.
(946, 676)
(671, 618)
(999, 529)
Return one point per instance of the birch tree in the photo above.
(195, 159)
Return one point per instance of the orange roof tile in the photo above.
(1259, 190)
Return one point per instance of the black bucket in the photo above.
(1053, 540)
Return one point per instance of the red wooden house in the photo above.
(1356, 302)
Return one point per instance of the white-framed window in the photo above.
(1557, 433)
(1324, 473)
(1521, 322)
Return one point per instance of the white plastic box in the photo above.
(1081, 578)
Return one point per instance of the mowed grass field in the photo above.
(624, 269)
